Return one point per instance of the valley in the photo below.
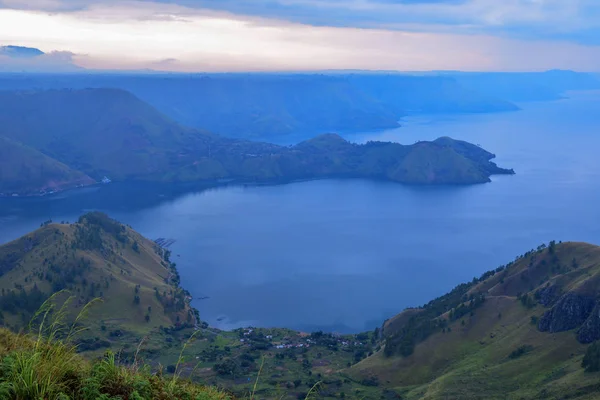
(521, 330)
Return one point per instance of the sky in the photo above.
(302, 35)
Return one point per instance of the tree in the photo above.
(552, 247)
(591, 360)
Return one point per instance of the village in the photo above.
(300, 340)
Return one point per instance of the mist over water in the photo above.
(346, 254)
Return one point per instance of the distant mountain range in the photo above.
(20, 51)
(277, 107)
(66, 138)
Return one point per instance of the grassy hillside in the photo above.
(24, 170)
(519, 332)
(43, 366)
(93, 258)
(111, 132)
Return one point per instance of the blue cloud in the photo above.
(570, 20)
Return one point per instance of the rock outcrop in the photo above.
(548, 295)
(590, 331)
(570, 312)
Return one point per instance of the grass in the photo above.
(44, 365)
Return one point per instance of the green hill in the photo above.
(24, 170)
(519, 332)
(109, 132)
(95, 257)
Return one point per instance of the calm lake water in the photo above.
(345, 254)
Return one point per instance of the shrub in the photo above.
(521, 351)
(44, 365)
(591, 360)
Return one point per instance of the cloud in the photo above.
(134, 35)
(523, 18)
(572, 20)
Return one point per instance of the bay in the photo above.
(343, 255)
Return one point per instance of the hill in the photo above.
(518, 332)
(110, 132)
(24, 170)
(442, 161)
(98, 132)
(95, 257)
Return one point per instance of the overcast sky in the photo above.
(267, 35)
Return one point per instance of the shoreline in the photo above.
(210, 184)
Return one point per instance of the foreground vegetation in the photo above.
(44, 366)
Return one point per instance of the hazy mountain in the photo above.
(429, 94)
(273, 106)
(528, 86)
(20, 52)
(277, 105)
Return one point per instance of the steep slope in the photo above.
(520, 332)
(94, 258)
(270, 106)
(249, 106)
(24, 171)
(273, 106)
(527, 86)
(99, 132)
(428, 94)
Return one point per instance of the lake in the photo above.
(343, 255)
